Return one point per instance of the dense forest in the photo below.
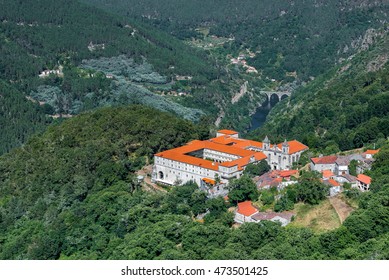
(134, 56)
(37, 35)
(65, 37)
(287, 36)
(19, 118)
(344, 109)
(71, 194)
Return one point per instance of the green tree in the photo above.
(242, 189)
(257, 169)
(267, 197)
(310, 189)
(353, 167)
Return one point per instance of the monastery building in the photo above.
(221, 159)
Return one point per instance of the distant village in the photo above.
(213, 163)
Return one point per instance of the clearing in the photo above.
(319, 218)
(341, 207)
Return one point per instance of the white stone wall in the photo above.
(280, 161)
(321, 167)
(363, 187)
(341, 169)
(174, 170)
(219, 156)
(240, 218)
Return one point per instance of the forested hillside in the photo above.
(346, 108)
(63, 37)
(19, 118)
(287, 36)
(71, 194)
(37, 35)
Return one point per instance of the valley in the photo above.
(271, 119)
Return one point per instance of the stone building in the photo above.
(221, 159)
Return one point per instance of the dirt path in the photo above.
(342, 209)
(147, 184)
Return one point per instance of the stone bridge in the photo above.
(279, 94)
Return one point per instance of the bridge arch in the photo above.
(280, 94)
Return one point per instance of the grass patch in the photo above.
(352, 202)
(319, 218)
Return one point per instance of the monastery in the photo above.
(220, 159)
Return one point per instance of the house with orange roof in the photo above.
(323, 163)
(224, 157)
(247, 213)
(244, 212)
(327, 174)
(370, 153)
(335, 187)
(363, 182)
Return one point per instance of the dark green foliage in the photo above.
(55, 30)
(19, 118)
(242, 189)
(284, 204)
(341, 110)
(77, 179)
(186, 200)
(267, 197)
(42, 35)
(310, 189)
(70, 194)
(353, 167)
(257, 169)
(300, 43)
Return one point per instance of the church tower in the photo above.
(266, 144)
(285, 147)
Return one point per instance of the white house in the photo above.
(323, 163)
(363, 182)
(370, 153)
(346, 178)
(244, 212)
(247, 213)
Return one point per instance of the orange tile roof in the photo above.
(327, 173)
(287, 173)
(294, 146)
(371, 152)
(333, 183)
(244, 161)
(364, 179)
(228, 132)
(249, 143)
(209, 181)
(246, 208)
(324, 160)
(225, 140)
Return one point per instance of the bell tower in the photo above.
(285, 147)
(266, 144)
